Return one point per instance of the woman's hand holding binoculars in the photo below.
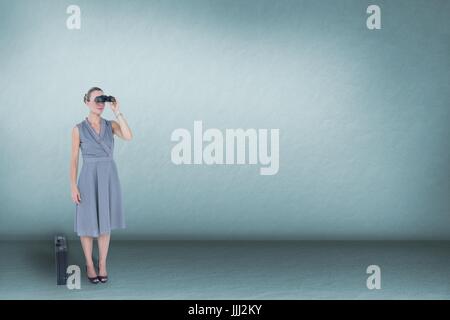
(114, 106)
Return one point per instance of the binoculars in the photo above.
(104, 98)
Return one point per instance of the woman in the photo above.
(97, 195)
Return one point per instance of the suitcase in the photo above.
(61, 259)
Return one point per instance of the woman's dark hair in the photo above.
(87, 96)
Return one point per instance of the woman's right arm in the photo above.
(74, 165)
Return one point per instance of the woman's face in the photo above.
(95, 107)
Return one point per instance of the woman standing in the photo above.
(97, 195)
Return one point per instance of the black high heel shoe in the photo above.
(103, 279)
(93, 280)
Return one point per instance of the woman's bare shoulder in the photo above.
(77, 126)
(75, 131)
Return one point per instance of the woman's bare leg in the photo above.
(86, 243)
(103, 245)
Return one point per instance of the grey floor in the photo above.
(234, 270)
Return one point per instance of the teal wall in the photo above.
(363, 115)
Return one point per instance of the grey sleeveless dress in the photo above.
(100, 209)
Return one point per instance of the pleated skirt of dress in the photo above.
(101, 208)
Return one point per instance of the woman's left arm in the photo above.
(120, 127)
